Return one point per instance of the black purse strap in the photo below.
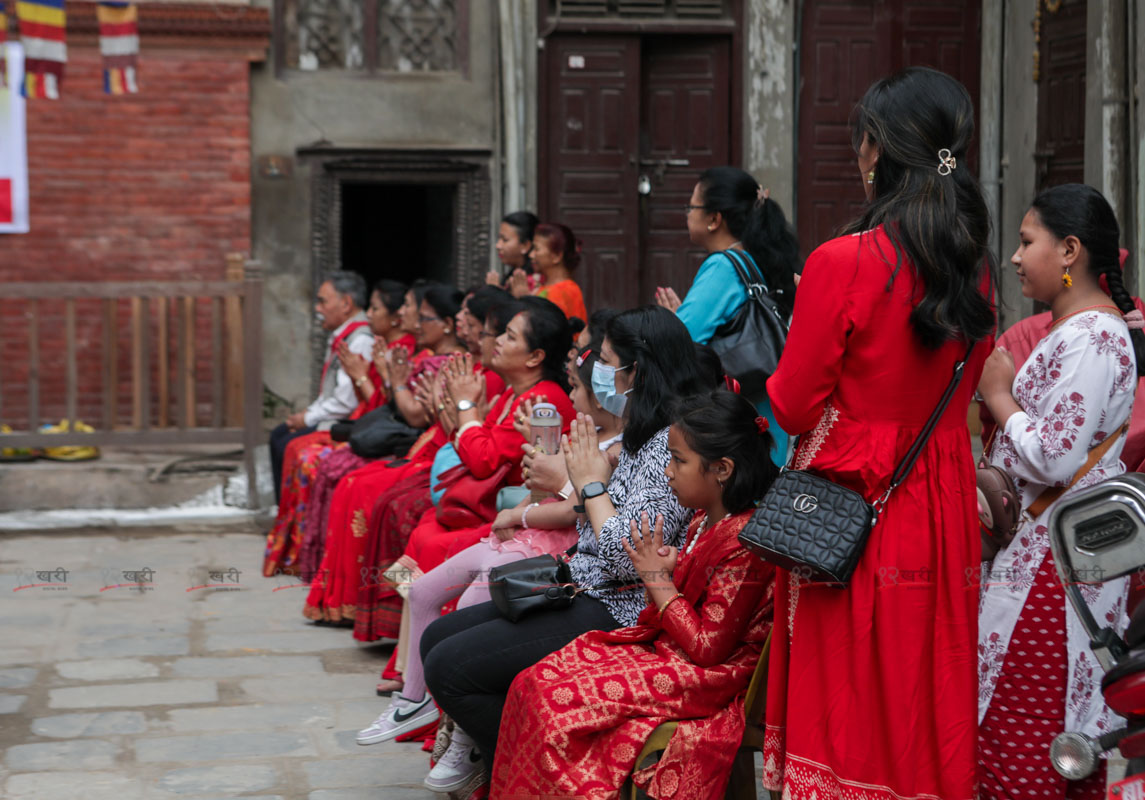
(907, 463)
(741, 271)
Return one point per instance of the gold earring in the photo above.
(1067, 281)
(871, 176)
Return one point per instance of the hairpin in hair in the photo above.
(946, 162)
(761, 424)
(731, 383)
(580, 359)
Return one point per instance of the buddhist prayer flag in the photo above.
(42, 25)
(119, 44)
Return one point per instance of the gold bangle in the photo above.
(669, 602)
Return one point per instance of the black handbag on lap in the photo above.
(540, 583)
(531, 584)
(749, 346)
(381, 433)
(818, 529)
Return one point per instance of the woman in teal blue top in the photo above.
(729, 211)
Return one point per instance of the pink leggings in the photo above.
(464, 575)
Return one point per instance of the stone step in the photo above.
(137, 478)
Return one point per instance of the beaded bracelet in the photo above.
(669, 602)
(525, 513)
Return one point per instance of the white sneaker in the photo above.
(456, 766)
(403, 715)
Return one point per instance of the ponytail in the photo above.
(759, 224)
(771, 242)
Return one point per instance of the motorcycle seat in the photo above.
(1124, 685)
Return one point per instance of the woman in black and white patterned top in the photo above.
(471, 656)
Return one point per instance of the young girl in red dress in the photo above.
(575, 722)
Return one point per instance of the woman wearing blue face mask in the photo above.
(471, 656)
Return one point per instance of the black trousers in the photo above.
(472, 655)
(279, 438)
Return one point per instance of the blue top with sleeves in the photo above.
(716, 296)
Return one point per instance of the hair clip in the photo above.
(731, 383)
(761, 424)
(581, 358)
(761, 194)
(946, 162)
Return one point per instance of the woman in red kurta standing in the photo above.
(872, 690)
(391, 330)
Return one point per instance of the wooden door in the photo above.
(615, 108)
(590, 108)
(684, 129)
(846, 46)
(1060, 153)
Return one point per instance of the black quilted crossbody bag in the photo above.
(817, 528)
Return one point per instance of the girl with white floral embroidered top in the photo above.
(1037, 675)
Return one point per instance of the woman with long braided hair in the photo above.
(1066, 408)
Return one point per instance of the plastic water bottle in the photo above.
(545, 436)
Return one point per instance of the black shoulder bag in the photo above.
(817, 528)
(750, 344)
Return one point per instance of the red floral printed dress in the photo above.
(1075, 390)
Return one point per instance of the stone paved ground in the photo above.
(180, 693)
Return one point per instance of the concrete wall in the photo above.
(387, 110)
(770, 124)
(1019, 140)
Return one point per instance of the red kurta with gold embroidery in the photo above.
(575, 722)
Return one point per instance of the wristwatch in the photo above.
(464, 405)
(587, 492)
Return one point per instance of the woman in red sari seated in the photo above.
(333, 592)
(528, 530)
(441, 338)
(392, 329)
(575, 722)
(531, 357)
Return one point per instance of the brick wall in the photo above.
(150, 186)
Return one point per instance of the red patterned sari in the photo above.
(334, 590)
(575, 722)
(301, 463)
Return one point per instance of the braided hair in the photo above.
(1074, 209)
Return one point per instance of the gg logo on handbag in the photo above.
(805, 503)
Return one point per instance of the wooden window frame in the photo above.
(371, 51)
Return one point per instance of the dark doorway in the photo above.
(1061, 95)
(628, 122)
(845, 47)
(397, 230)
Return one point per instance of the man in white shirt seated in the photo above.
(341, 300)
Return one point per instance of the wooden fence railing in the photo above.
(162, 313)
